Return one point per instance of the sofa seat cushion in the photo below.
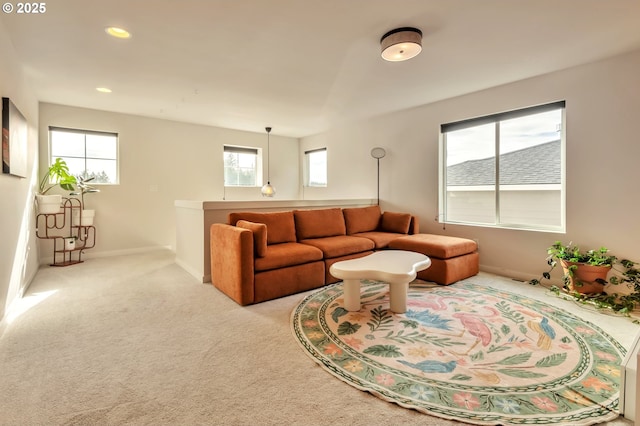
(438, 246)
(380, 239)
(319, 223)
(281, 227)
(286, 254)
(340, 245)
(361, 219)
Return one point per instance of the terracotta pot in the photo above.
(584, 277)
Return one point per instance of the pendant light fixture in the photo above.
(268, 190)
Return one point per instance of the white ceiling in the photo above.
(301, 66)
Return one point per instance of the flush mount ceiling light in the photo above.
(118, 32)
(103, 89)
(401, 44)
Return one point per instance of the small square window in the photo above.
(240, 166)
(316, 167)
(88, 154)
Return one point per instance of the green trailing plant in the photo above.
(629, 276)
(58, 174)
(623, 272)
(573, 254)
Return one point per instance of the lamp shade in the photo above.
(401, 44)
(268, 190)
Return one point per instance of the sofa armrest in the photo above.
(232, 261)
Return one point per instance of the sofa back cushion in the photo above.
(319, 223)
(259, 236)
(395, 222)
(281, 227)
(361, 219)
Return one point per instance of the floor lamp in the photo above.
(378, 153)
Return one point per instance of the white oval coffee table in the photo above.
(395, 267)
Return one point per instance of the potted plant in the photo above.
(586, 272)
(84, 217)
(57, 174)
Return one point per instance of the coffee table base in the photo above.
(395, 267)
(397, 296)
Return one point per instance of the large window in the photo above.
(88, 154)
(241, 166)
(316, 167)
(505, 170)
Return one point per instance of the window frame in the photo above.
(307, 168)
(240, 150)
(496, 119)
(85, 132)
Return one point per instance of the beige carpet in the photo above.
(137, 340)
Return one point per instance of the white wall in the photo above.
(162, 161)
(18, 259)
(603, 149)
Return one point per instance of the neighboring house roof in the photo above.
(535, 165)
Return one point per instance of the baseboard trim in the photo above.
(111, 253)
(196, 274)
(516, 275)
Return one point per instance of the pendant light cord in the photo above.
(268, 129)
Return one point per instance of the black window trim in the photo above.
(501, 116)
(240, 150)
(81, 131)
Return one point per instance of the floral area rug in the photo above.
(466, 352)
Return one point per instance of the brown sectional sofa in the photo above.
(262, 256)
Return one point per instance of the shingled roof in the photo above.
(536, 165)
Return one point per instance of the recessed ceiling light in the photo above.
(103, 89)
(118, 32)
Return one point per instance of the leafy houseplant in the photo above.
(585, 275)
(85, 188)
(584, 271)
(57, 174)
(84, 218)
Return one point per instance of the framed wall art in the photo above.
(14, 140)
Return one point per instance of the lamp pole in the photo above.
(378, 153)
